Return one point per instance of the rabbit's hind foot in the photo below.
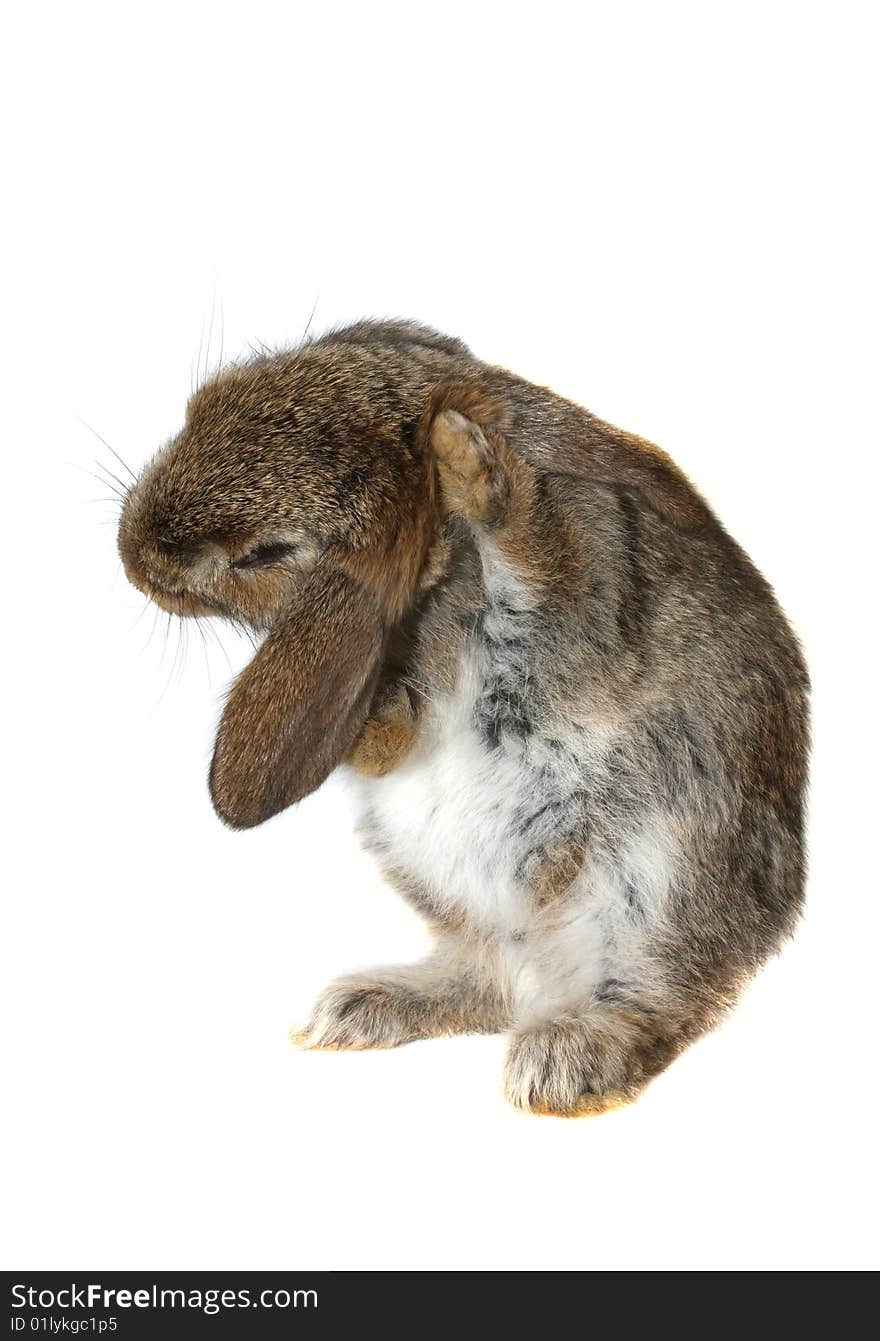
(584, 1065)
(469, 465)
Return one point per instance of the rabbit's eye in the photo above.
(172, 549)
(264, 556)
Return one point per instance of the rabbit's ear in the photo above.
(294, 711)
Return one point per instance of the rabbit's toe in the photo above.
(385, 741)
(471, 480)
(564, 1070)
(356, 1014)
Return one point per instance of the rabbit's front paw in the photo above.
(356, 1013)
(472, 479)
(386, 739)
(564, 1069)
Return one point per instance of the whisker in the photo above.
(220, 643)
(110, 475)
(194, 380)
(153, 626)
(222, 334)
(210, 336)
(167, 684)
(201, 633)
(113, 450)
(243, 628)
(182, 647)
(146, 605)
(107, 484)
(305, 334)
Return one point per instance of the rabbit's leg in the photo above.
(473, 481)
(599, 1009)
(448, 993)
(387, 736)
(500, 494)
(590, 1061)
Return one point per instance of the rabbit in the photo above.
(572, 711)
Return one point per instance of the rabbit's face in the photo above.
(298, 497)
(270, 468)
(217, 569)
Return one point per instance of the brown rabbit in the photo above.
(577, 716)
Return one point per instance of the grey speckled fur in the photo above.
(576, 715)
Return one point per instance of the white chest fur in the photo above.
(495, 785)
(453, 813)
(466, 816)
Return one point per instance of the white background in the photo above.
(667, 213)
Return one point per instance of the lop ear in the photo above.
(294, 711)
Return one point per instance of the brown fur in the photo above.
(387, 737)
(578, 1067)
(363, 499)
(558, 870)
(341, 498)
(583, 445)
(295, 709)
(482, 480)
(449, 993)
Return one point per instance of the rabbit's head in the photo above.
(298, 498)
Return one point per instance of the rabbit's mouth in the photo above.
(164, 588)
(175, 602)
